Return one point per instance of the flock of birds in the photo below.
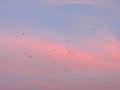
(28, 51)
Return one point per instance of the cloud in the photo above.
(51, 58)
(100, 55)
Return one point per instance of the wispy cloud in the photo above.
(100, 55)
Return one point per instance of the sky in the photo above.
(59, 45)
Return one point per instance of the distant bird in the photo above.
(76, 74)
(25, 52)
(45, 56)
(65, 69)
(30, 56)
(16, 37)
(93, 29)
(106, 86)
(23, 33)
(66, 41)
(51, 73)
(69, 50)
(5, 57)
(55, 62)
(55, 50)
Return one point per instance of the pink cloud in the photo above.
(100, 58)
(100, 55)
(105, 59)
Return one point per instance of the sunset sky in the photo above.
(59, 45)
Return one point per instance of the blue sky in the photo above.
(59, 44)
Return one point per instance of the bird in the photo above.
(55, 50)
(51, 73)
(5, 57)
(23, 33)
(16, 36)
(30, 56)
(106, 86)
(66, 41)
(93, 29)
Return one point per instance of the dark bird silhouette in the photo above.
(16, 36)
(93, 29)
(66, 41)
(5, 57)
(51, 73)
(23, 33)
(55, 50)
(106, 86)
(30, 56)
